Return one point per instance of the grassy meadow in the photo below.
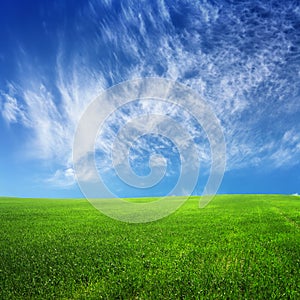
(237, 247)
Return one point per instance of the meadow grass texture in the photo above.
(237, 247)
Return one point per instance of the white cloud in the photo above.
(62, 178)
(287, 150)
(11, 111)
(52, 118)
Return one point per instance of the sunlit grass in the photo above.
(238, 247)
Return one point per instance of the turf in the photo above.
(237, 247)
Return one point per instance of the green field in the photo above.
(237, 247)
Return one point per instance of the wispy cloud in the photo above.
(62, 178)
(11, 111)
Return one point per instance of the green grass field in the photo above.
(237, 247)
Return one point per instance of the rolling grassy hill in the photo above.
(238, 247)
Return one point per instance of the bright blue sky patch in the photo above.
(242, 57)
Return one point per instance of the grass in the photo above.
(238, 247)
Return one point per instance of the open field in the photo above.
(238, 247)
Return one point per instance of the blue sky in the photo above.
(241, 57)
